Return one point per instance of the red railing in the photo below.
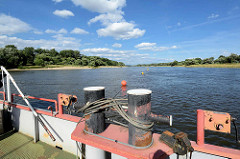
(42, 99)
(4, 95)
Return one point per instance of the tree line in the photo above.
(11, 57)
(233, 58)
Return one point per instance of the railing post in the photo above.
(200, 127)
(36, 129)
(95, 122)
(139, 108)
(8, 89)
(60, 106)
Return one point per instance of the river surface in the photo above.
(176, 91)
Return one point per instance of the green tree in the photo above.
(121, 64)
(85, 61)
(233, 58)
(11, 56)
(29, 55)
(53, 53)
(174, 63)
(198, 60)
(208, 60)
(43, 59)
(189, 62)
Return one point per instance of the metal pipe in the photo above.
(139, 108)
(8, 89)
(43, 99)
(161, 119)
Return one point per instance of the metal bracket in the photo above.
(217, 121)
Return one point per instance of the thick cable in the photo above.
(104, 103)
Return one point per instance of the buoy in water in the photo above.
(124, 83)
(142, 73)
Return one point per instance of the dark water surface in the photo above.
(176, 91)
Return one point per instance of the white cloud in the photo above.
(111, 17)
(10, 25)
(59, 42)
(61, 31)
(79, 31)
(37, 32)
(179, 24)
(213, 16)
(126, 56)
(117, 45)
(63, 13)
(122, 30)
(57, 1)
(145, 45)
(153, 47)
(108, 18)
(103, 50)
(100, 6)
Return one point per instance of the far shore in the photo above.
(53, 67)
(69, 67)
(229, 65)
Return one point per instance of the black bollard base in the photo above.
(95, 122)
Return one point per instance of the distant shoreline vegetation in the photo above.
(11, 57)
(232, 61)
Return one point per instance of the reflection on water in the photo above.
(176, 91)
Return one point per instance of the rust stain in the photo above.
(143, 140)
(87, 117)
(168, 133)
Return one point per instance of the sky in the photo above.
(129, 31)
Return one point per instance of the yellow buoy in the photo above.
(142, 73)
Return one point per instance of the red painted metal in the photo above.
(217, 150)
(217, 121)
(43, 99)
(200, 127)
(4, 95)
(60, 106)
(50, 108)
(61, 116)
(158, 149)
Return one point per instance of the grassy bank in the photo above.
(233, 65)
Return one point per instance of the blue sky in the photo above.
(133, 31)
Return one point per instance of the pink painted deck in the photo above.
(156, 151)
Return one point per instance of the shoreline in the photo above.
(60, 68)
(235, 65)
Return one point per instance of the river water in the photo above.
(176, 91)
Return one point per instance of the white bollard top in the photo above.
(139, 91)
(94, 88)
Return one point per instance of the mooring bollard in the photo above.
(95, 122)
(139, 107)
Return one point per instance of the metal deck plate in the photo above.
(17, 145)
